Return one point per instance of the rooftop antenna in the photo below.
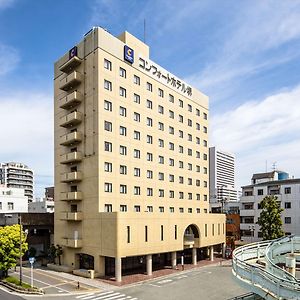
(274, 166)
(145, 31)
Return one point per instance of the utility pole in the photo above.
(20, 220)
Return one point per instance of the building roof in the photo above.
(275, 182)
(263, 175)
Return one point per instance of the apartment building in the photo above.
(17, 175)
(221, 179)
(275, 183)
(131, 160)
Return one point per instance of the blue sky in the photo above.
(243, 54)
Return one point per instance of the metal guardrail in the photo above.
(270, 282)
(248, 296)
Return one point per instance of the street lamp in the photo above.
(251, 228)
(21, 243)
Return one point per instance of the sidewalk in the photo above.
(135, 278)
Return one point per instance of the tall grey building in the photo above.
(221, 179)
(17, 175)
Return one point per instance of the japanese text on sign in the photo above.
(164, 76)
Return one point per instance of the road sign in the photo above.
(31, 260)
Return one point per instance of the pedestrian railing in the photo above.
(254, 266)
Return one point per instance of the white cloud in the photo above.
(261, 130)
(9, 59)
(27, 132)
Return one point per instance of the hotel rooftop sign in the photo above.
(160, 74)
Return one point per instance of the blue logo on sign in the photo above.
(73, 52)
(128, 54)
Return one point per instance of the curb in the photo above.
(16, 289)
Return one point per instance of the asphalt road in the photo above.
(7, 296)
(209, 283)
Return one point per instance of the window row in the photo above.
(108, 167)
(108, 146)
(123, 112)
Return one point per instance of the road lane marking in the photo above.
(82, 296)
(111, 295)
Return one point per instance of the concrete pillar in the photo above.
(118, 269)
(174, 260)
(194, 254)
(211, 253)
(223, 249)
(290, 264)
(149, 264)
(99, 263)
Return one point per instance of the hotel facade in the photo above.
(131, 161)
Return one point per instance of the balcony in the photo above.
(246, 226)
(71, 216)
(71, 119)
(71, 196)
(71, 177)
(70, 138)
(247, 212)
(71, 64)
(71, 81)
(71, 157)
(188, 240)
(72, 243)
(70, 100)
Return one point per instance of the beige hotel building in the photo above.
(131, 161)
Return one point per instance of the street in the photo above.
(212, 283)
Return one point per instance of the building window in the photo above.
(213, 229)
(107, 85)
(180, 118)
(108, 187)
(108, 207)
(107, 64)
(149, 208)
(181, 195)
(149, 156)
(180, 179)
(205, 183)
(123, 130)
(137, 172)
(108, 146)
(107, 167)
(205, 116)
(287, 205)
(146, 233)
(160, 93)
(197, 140)
(122, 111)
(197, 126)
(205, 230)
(137, 208)
(160, 143)
(198, 154)
(161, 193)
(190, 196)
(204, 156)
(137, 190)
(204, 129)
(149, 104)
(161, 176)
(180, 133)
(161, 209)
(149, 122)
(180, 149)
(190, 210)
(190, 152)
(171, 178)
(149, 174)
(137, 98)
(136, 135)
(149, 139)
(136, 117)
(171, 146)
(171, 130)
(287, 190)
(123, 169)
(198, 210)
(122, 72)
(171, 162)
(136, 153)
(10, 206)
(204, 170)
(198, 197)
(160, 109)
(181, 164)
(160, 126)
(136, 80)
(190, 108)
(204, 143)
(107, 105)
(128, 234)
(150, 192)
(287, 220)
(190, 167)
(175, 232)
(171, 114)
(123, 189)
(190, 181)
(172, 210)
(123, 150)
(171, 194)
(123, 208)
(205, 197)
(161, 159)
(197, 112)
(197, 182)
(181, 210)
(260, 192)
(161, 232)
(171, 98)
(190, 123)
(122, 92)
(180, 102)
(149, 86)
(190, 137)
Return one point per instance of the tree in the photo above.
(10, 247)
(270, 218)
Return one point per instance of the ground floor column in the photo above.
(174, 259)
(211, 253)
(149, 264)
(194, 254)
(118, 269)
(223, 249)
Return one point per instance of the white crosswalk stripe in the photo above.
(109, 295)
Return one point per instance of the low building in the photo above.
(41, 205)
(274, 183)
